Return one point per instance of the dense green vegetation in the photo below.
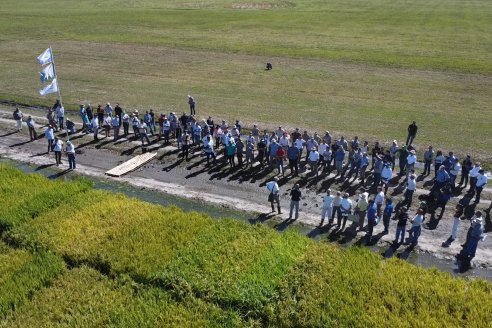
(130, 263)
(364, 68)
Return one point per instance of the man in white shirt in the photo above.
(346, 210)
(416, 227)
(273, 196)
(481, 182)
(379, 200)
(313, 160)
(95, 127)
(70, 149)
(411, 186)
(208, 145)
(474, 172)
(326, 210)
(453, 173)
(299, 143)
(411, 160)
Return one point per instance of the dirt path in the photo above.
(238, 189)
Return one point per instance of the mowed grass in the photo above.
(131, 263)
(364, 68)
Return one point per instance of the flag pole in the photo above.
(56, 76)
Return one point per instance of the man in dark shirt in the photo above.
(118, 111)
(295, 198)
(412, 132)
(293, 155)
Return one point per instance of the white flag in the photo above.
(50, 88)
(47, 73)
(45, 57)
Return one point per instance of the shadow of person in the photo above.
(391, 250)
(406, 253)
(284, 224)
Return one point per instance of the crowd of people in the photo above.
(292, 153)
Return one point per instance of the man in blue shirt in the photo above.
(371, 219)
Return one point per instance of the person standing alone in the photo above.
(412, 133)
(191, 102)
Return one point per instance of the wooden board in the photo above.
(131, 164)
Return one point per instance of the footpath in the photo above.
(240, 189)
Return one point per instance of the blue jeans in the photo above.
(471, 247)
(409, 196)
(60, 122)
(71, 161)
(415, 234)
(400, 232)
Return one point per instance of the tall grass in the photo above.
(249, 272)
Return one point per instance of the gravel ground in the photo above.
(242, 189)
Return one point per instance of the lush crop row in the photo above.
(85, 298)
(276, 279)
(22, 273)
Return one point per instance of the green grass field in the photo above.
(103, 259)
(353, 67)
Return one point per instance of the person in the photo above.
(438, 161)
(126, 123)
(269, 66)
(95, 127)
(388, 211)
(118, 111)
(116, 127)
(481, 182)
(339, 157)
(107, 125)
(393, 151)
(148, 122)
(88, 111)
(442, 199)
(262, 150)
(100, 113)
(411, 160)
(412, 133)
(386, 176)
(476, 232)
(336, 206)
(313, 161)
(57, 148)
(416, 228)
(372, 213)
(474, 172)
(135, 122)
(166, 130)
(18, 118)
(32, 129)
(442, 178)
(70, 150)
(60, 115)
(466, 166)
(51, 119)
(293, 157)
(70, 126)
(379, 199)
(428, 157)
(81, 114)
(250, 149)
(378, 169)
(401, 225)
(411, 187)
(364, 163)
(231, 152)
(456, 222)
(142, 131)
(185, 145)
(239, 152)
(345, 210)
(108, 110)
(295, 195)
(326, 209)
(191, 102)
(273, 196)
(402, 159)
(50, 136)
(453, 173)
(361, 208)
(209, 149)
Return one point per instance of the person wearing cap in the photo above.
(107, 123)
(70, 150)
(327, 138)
(32, 128)
(18, 118)
(361, 208)
(481, 182)
(191, 102)
(388, 211)
(402, 218)
(57, 148)
(428, 157)
(474, 172)
(313, 161)
(475, 233)
(411, 160)
(142, 131)
(386, 175)
(345, 210)
(453, 173)
(416, 229)
(310, 144)
(273, 196)
(327, 207)
(295, 195)
(411, 187)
